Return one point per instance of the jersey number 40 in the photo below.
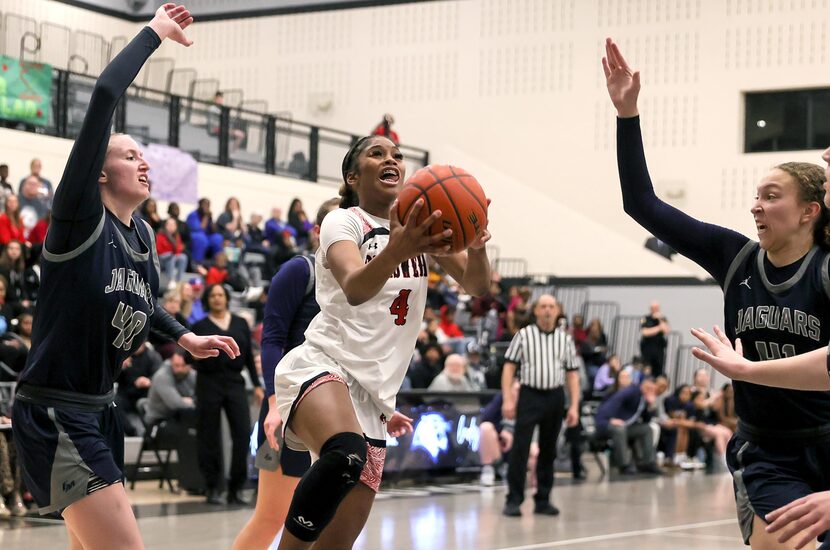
(129, 323)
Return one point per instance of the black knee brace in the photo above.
(325, 485)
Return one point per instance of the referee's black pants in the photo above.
(214, 392)
(546, 409)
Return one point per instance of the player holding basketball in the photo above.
(775, 299)
(100, 276)
(337, 389)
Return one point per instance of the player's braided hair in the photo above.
(810, 179)
(348, 196)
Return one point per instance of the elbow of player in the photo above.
(354, 300)
(477, 289)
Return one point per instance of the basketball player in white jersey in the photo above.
(337, 390)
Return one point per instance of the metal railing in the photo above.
(216, 134)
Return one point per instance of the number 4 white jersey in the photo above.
(374, 341)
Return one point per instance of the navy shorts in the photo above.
(766, 477)
(67, 453)
(293, 463)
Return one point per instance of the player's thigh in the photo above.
(325, 411)
(104, 520)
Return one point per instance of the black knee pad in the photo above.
(325, 485)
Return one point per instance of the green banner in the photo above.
(25, 91)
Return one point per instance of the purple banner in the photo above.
(173, 174)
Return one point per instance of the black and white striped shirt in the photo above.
(543, 357)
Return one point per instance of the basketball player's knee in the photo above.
(346, 453)
(325, 485)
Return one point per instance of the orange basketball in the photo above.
(455, 193)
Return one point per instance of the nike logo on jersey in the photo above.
(745, 283)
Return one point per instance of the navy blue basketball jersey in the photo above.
(773, 321)
(94, 308)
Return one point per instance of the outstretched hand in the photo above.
(170, 21)
(201, 347)
(727, 361)
(399, 425)
(623, 84)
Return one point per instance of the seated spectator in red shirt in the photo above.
(218, 272)
(385, 129)
(448, 325)
(171, 252)
(11, 224)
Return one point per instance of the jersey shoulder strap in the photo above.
(309, 289)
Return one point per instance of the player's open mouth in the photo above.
(390, 176)
(760, 227)
(143, 179)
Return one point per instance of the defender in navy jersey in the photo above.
(97, 302)
(776, 301)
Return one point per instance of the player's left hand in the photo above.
(727, 361)
(398, 425)
(483, 235)
(201, 347)
(810, 514)
(272, 423)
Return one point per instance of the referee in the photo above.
(546, 356)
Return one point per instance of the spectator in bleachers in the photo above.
(205, 238)
(134, 383)
(607, 375)
(578, 331)
(172, 304)
(681, 411)
(594, 348)
(654, 329)
(235, 135)
(173, 388)
(491, 308)
(254, 232)
(449, 333)
(23, 282)
(724, 407)
(220, 386)
(10, 475)
(171, 252)
(5, 186)
(24, 328)
(44, 189)
(298, 219)
(385, 129)
(495, 436)
(637, 370)
(149, 213)
(423, 371)
(230, 222)
(710, 427)
(299, 165)
(184, 230)
(476, 369)
(454, 376)
(11, 224)
(439, 294)
(624, 418)
(37, 235)
(197, 310)
(8, 308)
(275, 226)
(518, 310)
(33, 204)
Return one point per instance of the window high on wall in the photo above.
(790, 120)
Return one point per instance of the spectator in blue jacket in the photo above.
(624, 418)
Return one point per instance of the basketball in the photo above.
(453, 191)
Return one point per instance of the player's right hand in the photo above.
(272, 423)
(411, 238)
(623, 84)
(809, 515)
(170, 21)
